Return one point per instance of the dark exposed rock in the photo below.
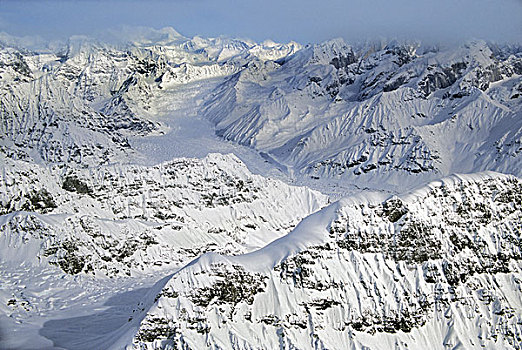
(67, 257)
(441, 79)
(394, 209)
(343, 61)
(73, 184)
(39, 201)
(395, 84)
(233, 287)
(156, 328)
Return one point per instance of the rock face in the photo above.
(436, 268)
(124, 219)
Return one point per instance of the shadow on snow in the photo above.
(101, 330)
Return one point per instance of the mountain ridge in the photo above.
(256, 305)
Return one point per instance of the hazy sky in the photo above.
(301, 20)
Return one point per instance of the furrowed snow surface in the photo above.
(65, 234)
(124, 161)
(436, 268)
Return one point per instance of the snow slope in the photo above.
(78, 241)
(80, 101)
(121, 219)
(98, 201)
(390, 116)
(435, 268)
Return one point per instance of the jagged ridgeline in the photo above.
(80, 102)
(381, 114)
(392, 114)
(437, 268)
(117, 220)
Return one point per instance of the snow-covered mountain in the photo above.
(63, 229)
(381, 115)
(123, 219)
(437, 268)
(393, 116)
(81, 102)
(128, 159)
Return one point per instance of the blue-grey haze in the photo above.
(301, 20)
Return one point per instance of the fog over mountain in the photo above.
(304, 21)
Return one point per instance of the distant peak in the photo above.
(334, 43)
(147, 36)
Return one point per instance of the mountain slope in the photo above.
(74, 242)
(390, 116)
(123, 219)
(436, 268)
(384, 115)
(116, 173)
(82, 101)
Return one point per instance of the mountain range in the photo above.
(165, 192)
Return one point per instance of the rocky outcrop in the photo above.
(128, 219)
(437, 267)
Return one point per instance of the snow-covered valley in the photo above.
(187, 193)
